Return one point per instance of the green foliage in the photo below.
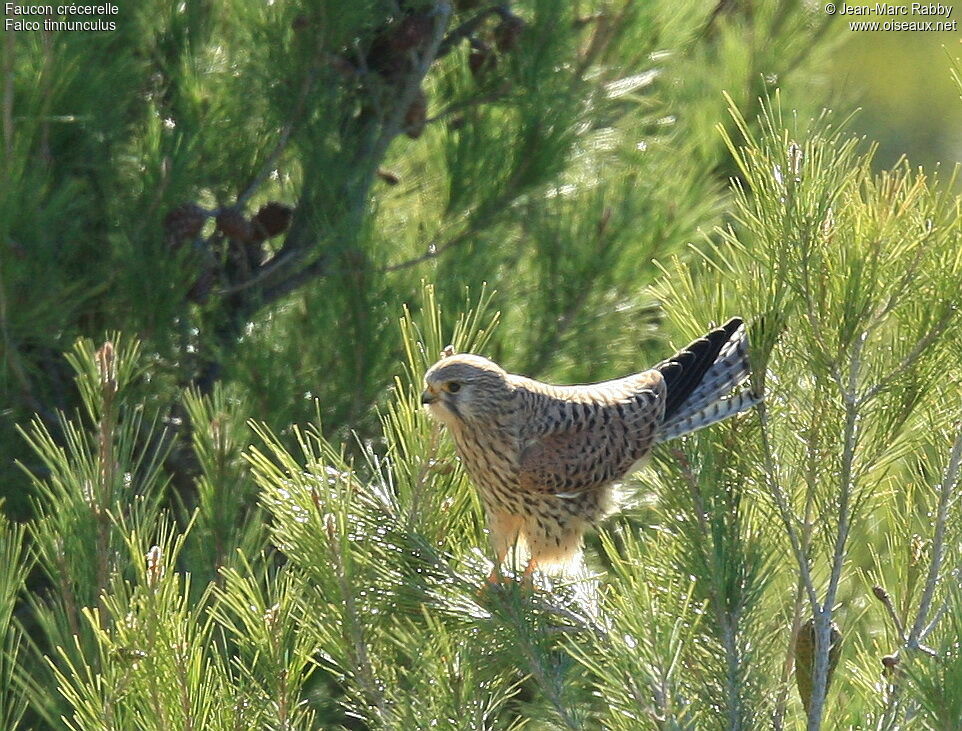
(15, 565)
(652, 637)
(937, 684)
(580, 150)
(227, 523)
(237, 515)
(376, 614)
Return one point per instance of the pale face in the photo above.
(463, 388)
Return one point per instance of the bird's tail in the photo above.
(700, 379)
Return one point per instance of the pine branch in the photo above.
(784, 509)
(947, 494)
(436, 249)
(362, 670)
(823, 612)
(910, 359)
(468, 28)
(287, 271)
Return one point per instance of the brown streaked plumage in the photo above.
(545, 458)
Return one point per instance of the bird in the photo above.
(546, 459)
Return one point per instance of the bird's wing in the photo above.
(589, 445)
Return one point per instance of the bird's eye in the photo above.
(454, 387)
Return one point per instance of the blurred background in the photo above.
(903, 85)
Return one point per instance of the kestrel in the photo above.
(545, 459)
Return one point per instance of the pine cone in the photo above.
(389, 54)
(233, 225)
(416, 116)
(805, 659)
(412, 32)
(201, 288)
(254, 250)
(184, 223)
(272, 219)
(508, 33)
(341, 65)
(481, 59)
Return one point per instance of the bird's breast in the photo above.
(491, 459)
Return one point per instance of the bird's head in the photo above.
(464, 388)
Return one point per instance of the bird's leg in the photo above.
(505, 530)
(496, 578)
(527, 579)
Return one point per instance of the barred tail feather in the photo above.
(699, 377)
(715, 412)
(728, 371)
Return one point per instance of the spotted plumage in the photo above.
(545, 459)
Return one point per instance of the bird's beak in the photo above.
(428, 397)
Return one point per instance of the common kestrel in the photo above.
(545, 459)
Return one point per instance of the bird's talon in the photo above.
(494, 582)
